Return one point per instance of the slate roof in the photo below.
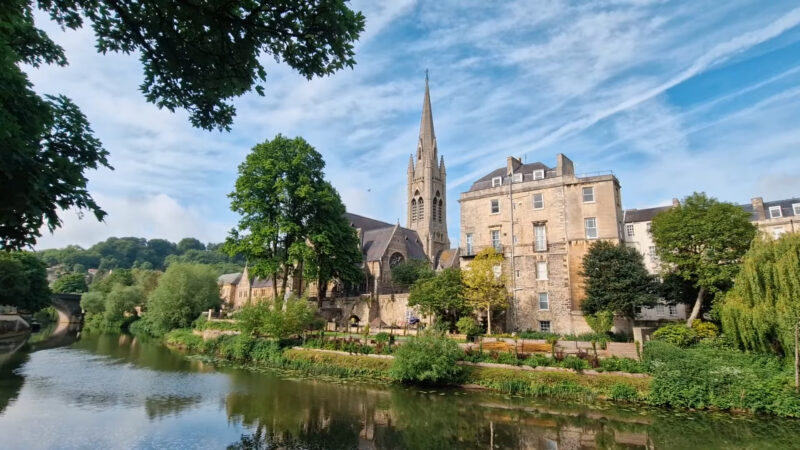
(448, 258)
(643, 215)
(786, 208)
(230, 278)
(377, 240)
(526, 170)
(365, 223)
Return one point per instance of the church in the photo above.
(385, 245)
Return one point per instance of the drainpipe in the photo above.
(513, 260)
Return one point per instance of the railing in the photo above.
(475, 249)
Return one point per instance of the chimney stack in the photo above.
(675, 202)
(564, 166)
(758, 207)
(512, 164)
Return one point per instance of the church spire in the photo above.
(427, 138)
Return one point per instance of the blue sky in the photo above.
(673, 97)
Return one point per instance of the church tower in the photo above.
(427, 196)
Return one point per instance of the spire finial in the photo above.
(426, 77)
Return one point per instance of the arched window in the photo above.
(433, 210)
(421, 212)
(413, 210)
(440, 210)
(396, 259)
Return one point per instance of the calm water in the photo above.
(117, 391)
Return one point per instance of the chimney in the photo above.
(564, 166)
(675, 202)
(512, 164)
(758, 207)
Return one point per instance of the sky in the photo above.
(673, 97)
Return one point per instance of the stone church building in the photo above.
(384, 245)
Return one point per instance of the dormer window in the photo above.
(538, 174)
(774, 212)
(796, 209)
(517, 178)
(497, 181)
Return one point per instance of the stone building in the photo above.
(238, 289)
(542, 219)
(776, 217)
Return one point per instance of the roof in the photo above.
(644, 215)
(229, 278)
(365, 223)
(261, 283)
(786, 205)
(376, 241)
(448, 258)
(526, 170)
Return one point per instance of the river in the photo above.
(120, 391)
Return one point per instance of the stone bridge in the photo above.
(68, 307)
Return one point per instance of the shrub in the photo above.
(704, 330)
(615, 364)
(382, 338)
(428, 359)
(184, 338)
(676, 334)
(469, 326)
(183, 292)
(574, 363)
(623, 392)
(538, 361)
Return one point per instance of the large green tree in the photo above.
(616, 280)
(762, 309)
(441, 296)
(197, 56)
(284, 203)
(70, 283)
(183, 292)
(408, 272)
(703, 240)
(23, 281)
(485, 283)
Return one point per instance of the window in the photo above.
(517, 178)
(590, 223)
(496, 239)
(413, 210)
(469, 243)
(540, 238)
(515, 240)
(495, 206)
(588, 195)
(538, 174)
(796, 209)
(544, 326)
(544, 301)
(629, 230)
(673, 310)
(660, 309)
(517, 273)
(497, 270)
(538, 201)
(651, 252)
(648, 224)
(541, 270)
(421, 210)
(774, 212)
(497, 181)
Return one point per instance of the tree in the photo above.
(187, 244)
(616, 280)
(485, 283)
(203, 57)
(183, 292)
(441, 296)
(761, 310)
(703, 240)
(278, 196)
(600, 322)
(334, 250)
(276, 318)
(71, 283)
(23, 281)
(408, 272)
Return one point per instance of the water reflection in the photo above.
(118, 391)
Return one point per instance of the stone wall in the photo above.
(389, 308)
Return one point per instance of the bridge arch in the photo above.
(68, 307)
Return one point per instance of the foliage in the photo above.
(703, 240)
(111, 311)
(283, 200)
(616, 364)
(275, 318)
(469, 326)
(600, 322)
(704, 377)
(71, 283)
(427, 359)
(483, 289)
(23, 281)
(762, 309)
(676, 334)
(409, 272)
(704, 330)
(616, 280)
(623, 392)
(206, 55)
(183, 292)
(189, 243)
(441, 295)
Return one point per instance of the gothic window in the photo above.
(433, 211)
(396, 259)
(440, 210)
(413, 210)
(421, 212)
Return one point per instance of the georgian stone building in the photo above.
(542, 219)
(776, 217)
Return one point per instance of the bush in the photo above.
(615, 364)
(183, 292)
(276, 319)
(469, 326)
(427, 359)
(538, 361)
(704, 330)
(382, 338)
(623, 392)
(676, 334)
(574, 363)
